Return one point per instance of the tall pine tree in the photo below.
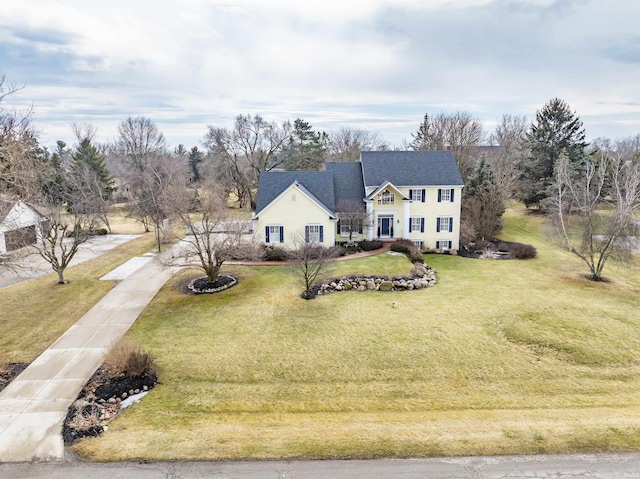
(87, 156)
(556, 130)
(306, 149)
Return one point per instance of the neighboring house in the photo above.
(20, 223)
(404, 194)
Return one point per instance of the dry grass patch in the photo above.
(36, 312)
(500, 357)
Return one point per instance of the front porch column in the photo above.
(370, 221)
(405, 218)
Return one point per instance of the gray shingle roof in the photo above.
(347, 180)
(318, 183)
(410, 168)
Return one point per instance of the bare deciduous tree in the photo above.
(347, 143)
(353, 217)
(62, 237)
(594, 207)
(214, 235)
(308, 262)
(23, 163)
(250, 148)
(459, 131)
(511, 138)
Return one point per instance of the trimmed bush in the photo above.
(275, 253)
(525, 251)
(408, 248)
(366, 245)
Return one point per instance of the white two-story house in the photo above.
(402, 194)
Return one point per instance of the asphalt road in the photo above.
(609, 466)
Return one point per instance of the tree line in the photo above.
(590, 192)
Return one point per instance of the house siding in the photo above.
(20, 216)
(294, 215)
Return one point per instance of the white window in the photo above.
(418, 244)
(385, 198)
(350, 226)
(445, 224)
(313, 234)
(416, 224)
(445, 194)
(416, 194)
(443, 245)
(275, 234)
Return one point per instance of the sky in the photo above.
(378, 65)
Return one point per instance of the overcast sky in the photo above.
(371, 64)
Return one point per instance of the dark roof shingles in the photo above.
(410, 168)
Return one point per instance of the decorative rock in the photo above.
(123, 396)
(145, 388)
(386, 286)
(136, 391)
(130, 392)
(111, 400)
(338, 288)
(371, 285)
(362, 288)
(347, 286)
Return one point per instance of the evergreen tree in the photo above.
(556, 130)
(56, 189)
(307, 149)
(195, 158)
(483, 202)
(88, 156)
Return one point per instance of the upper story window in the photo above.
(445, 194)
(386, 198)
(417, 194)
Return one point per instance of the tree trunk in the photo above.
(61, 277)
(212, 273)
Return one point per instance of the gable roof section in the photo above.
(410, 168)
(347, 180)
(384, 186)
(318, 185)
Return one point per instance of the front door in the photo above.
(385, 226)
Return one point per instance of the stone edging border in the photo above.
(377, 283)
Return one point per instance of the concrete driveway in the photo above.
(33, 265)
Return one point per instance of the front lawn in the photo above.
(500, 357)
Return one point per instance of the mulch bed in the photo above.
(9, 371)
(99, 402)
(500, 249)
(200, 284)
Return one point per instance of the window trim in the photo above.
(277, 233)
(439, 225)
(386, 197)
(420, 226)
(319, 233)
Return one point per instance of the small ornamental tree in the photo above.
(352, 217)
(62, 237)
(308, 262)
(213, 234)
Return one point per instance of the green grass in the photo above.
(500, 357)
(36, 312)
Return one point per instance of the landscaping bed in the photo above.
(9, 371)
(497, 249)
